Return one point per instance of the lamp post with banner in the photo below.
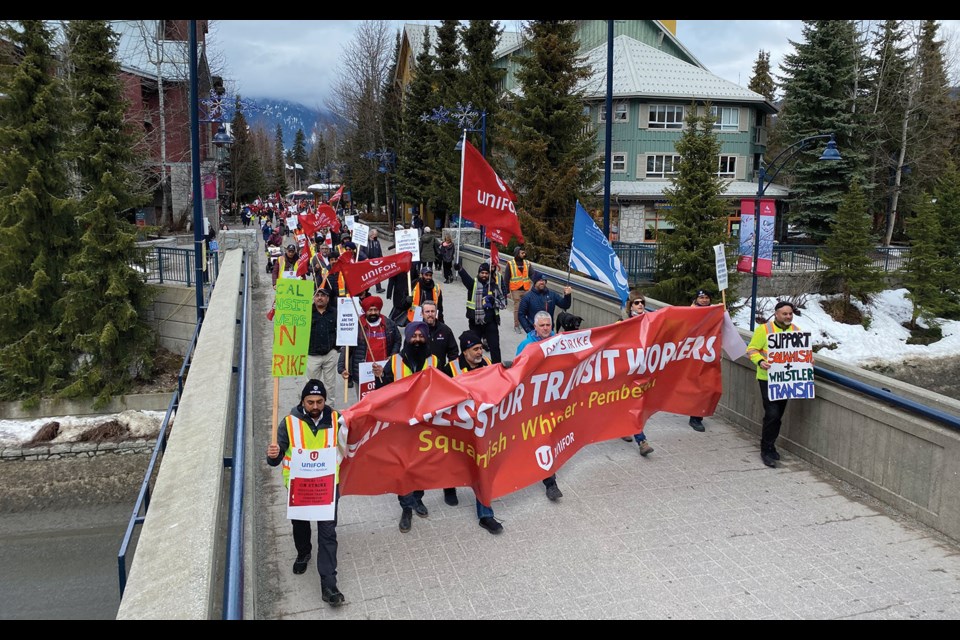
(765, 177)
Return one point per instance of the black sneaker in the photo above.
(450, 497)
(491, 525)
(774, 454)
(421, 510)
(333, 597)
(300, 564)
(697, 424)
(554, 493)
(767, 459)
(405, 519)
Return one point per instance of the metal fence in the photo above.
(176, 265)
(639, 259)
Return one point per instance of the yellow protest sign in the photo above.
(291, 327)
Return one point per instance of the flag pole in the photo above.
(463, 154)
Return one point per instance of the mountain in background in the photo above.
(291, 116)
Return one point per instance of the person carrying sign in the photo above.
(757, 352)
(377, 340)
(413, 357)
(312, 435)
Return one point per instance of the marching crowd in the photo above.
(414, 336)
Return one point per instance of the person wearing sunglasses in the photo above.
(636, 306)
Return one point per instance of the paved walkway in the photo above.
(699, 529)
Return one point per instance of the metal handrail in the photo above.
(143, 497)
(883, 394)
(233, 582)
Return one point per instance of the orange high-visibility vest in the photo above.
(519, 278)
(416, 298)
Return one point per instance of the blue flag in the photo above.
(590, 253)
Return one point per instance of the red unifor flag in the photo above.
(494, 256)
(484, 198)
(273, 310)
(366, 273)
(303, 262)
(309, 222)
(498, 430)
(327, 217)
(336, 197)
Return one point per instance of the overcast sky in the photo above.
(297, 60)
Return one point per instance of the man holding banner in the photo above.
(311, 443)
(757, 351)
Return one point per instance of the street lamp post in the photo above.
(386, 159)
(466, 117)
(765, 177)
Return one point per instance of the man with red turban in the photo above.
(377, 339)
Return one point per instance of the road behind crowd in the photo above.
(699, 529)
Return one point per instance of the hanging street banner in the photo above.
(791, 366)
(292, 314)
(408, 240)
(721, 262)
(498, 430)
(748, 228)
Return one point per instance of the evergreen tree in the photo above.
(847, 251)
(886, 80)
(444, 160)
(947, 205)
(37, 228)
(551, 149)
(392, 118)
(820, 97)
(246, 174)
(279, 163)
(762, 79)
(481, 78)
(299, 155)
(685, 257)
(103, 307)
(418, 136)
(923, 273)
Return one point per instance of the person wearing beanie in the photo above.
(413, 358)
(428, 248)
(484, 301)
(703, 299)
(313, 430)
(540, 298)
(470, 359)
(377, 339)
(517, 282)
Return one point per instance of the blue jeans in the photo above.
(483, 511)
(639, 437)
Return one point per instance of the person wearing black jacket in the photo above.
(440, 340)
(374, 250)
(323, 352)
(322, 429)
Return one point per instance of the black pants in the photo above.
(410, 500)
(550, 482)
(491, 332)
(772, 415)
(447, 271)
(326, 547)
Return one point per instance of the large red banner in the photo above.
(498, 430)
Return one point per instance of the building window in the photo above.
(618, 162)
(661, 166)
(665, 116)
(727, 118)
(728, 167)
(619, 112)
